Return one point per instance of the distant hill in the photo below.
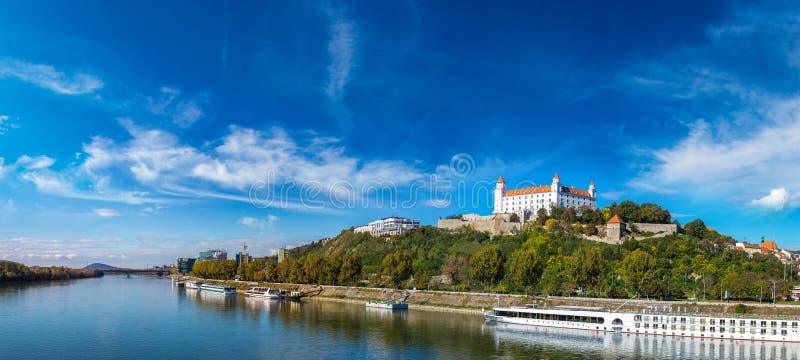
(100, 266)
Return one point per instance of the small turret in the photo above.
(592, 190)
(499, 193)
(556, 185)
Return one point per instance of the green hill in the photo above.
(553, 260)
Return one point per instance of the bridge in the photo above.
(159, 272)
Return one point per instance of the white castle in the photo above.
(526, 202)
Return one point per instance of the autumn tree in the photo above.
(397, 266)
(585, 266)
(456, 268)
(526, 267)
(487, 265)
(639, 270)
(351, 269)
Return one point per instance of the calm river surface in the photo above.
(116, 317)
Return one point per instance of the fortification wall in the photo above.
(669, 229)
(495, 226)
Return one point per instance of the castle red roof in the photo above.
(501, 180)
(530, 190)
(545, 189)
(615, 220)
(556, 177)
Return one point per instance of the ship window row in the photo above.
(722, 322)
(553, 317)
(712, 329)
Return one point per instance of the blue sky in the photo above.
(134, 133)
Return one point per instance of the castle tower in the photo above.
(499, 193)
(556, 185)
(615, 229)
(592, 190)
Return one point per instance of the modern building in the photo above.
(185, 265)
(283, 254)
(213, 255)
(240, 256)
(526, 202)
(388, 226)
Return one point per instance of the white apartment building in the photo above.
(527, 201)
(388, 226)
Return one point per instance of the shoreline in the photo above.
(472, 302)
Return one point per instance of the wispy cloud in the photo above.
(341, 50)
(183, 111)
(258, 223)
(745, 134)
(156, 160)
(46, 76)
(106, 212)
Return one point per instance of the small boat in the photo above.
(273, 294)
(227, 290)
(297, 294)
(193, 284)
(387, 304)
(256, 291)
(264, 292)
(395, 303)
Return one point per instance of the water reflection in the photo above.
(517, 339)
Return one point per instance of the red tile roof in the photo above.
(501, 180)
(556, 177)
(575, 191)
(530, 190)
(546, 189)
(769, 244)
(615, 220)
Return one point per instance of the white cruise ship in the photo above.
(681, 325)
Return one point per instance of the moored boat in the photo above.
(725, 326)
(264, 292)
(193, 284)
(227, 290)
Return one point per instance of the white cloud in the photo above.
(48, 77)
(259, 223)
(106, 212)
(341, 49)
(744, 166)
(4, 120)
(776, 200)
(183, 111)
(36, 162)
(156, 160)
(56, 184)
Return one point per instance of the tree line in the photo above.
(14, 271)
(699, 263)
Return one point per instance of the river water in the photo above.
(116, 317)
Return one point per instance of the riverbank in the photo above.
(472, 303)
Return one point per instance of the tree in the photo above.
(629, 211)
(526, 267)
(696, 228)
(584, 267)
(589, 230)
(513, 218)
(487, 265)
(652, 213)
(541, 216)
(397, 266)
(456, 268)
(351, 269)
(551, 224)
(421, 278)
(554, 279)
(639, 270)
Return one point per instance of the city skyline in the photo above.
(214, 124)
